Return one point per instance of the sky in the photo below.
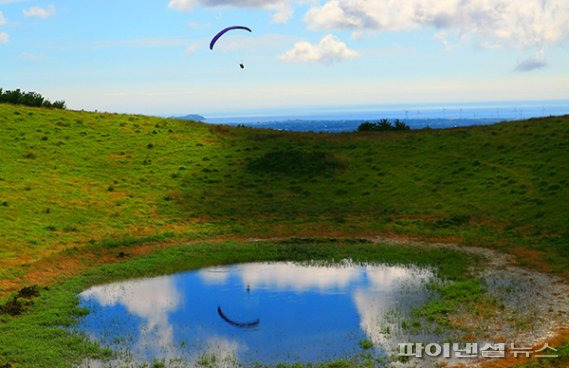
(153, 57)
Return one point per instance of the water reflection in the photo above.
(151, 300)
(306, 313)
(384, 301)
(298, 278)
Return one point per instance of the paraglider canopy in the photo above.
(224, 31)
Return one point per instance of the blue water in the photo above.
(305, 313)
(417, 116)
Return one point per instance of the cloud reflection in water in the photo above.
(308, 313)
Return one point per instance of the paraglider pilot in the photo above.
(224, 31)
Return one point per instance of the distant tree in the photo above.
(399, 125)
(34, 99)
(384, 125)
(59, 105)
(367, 127)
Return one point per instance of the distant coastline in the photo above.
(416, 116)
(342, 126)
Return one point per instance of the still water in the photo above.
(256, 313)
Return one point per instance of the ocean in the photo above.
(436, 116)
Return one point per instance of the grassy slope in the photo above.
(69, 179)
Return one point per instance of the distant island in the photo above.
(193, 117)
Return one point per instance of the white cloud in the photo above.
(182, 5)
(39, 12)
(283, 12)
(2, 19)
(392, 289)
(4, 38)
(290, 276)
(150, 299)
(153, 300)
(532, 63)
(284, 276)
(191, 50)
(330, 49)
(28, 56)
(494, 23)
(282, 8)
(214, 275)
(243, 41)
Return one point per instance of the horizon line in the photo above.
(307, 111)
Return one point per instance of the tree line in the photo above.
(384, 125)
(34, 99)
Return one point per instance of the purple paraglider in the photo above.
(224, 31)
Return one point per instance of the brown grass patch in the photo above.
(531, 258)
(510, 361)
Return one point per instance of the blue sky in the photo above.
(152, 57)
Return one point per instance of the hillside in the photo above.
(73, 180)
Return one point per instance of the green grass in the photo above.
(79, 181)
(451, 298)
(295, 163)
(70, 179)
(36, 338)
(130, 240)
(365, 344)
(561, 361)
